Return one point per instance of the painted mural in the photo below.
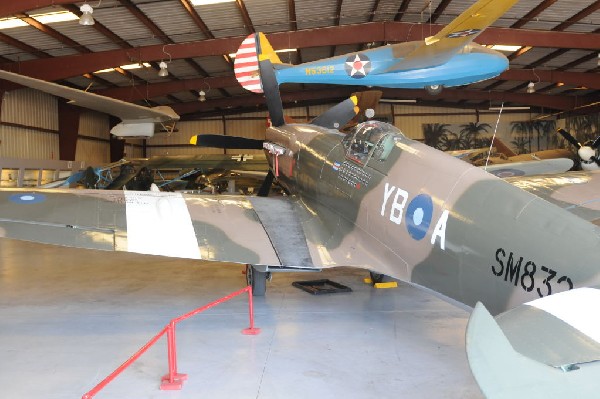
(521, 137)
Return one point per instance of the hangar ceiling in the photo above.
(558, 44)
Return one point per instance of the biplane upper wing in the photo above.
(436, 50)
(124, 110)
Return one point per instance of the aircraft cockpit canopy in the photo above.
(371, 139)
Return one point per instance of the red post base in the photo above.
(251, 331)
(176, 385)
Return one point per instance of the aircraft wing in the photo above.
(240, 229)
(549, 346)
(252, 162)
(123, 110)
(436, 50)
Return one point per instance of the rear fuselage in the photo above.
(407, 210)
(372, 68)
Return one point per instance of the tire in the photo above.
(434, 89)
(256, 279)
(377, 277)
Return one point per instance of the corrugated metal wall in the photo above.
(33, 108)
(93, 152)
(30, 108)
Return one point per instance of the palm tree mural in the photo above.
(433, 132)
(544, 129)
(472, 132)
(584, 127)
(521, 132)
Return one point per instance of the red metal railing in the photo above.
(174, 380)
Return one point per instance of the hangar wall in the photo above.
(29, 127)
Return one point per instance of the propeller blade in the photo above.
(272, 95)
(596, 143)
(339, 115)
(228, 142)
(567, 136)
(265, 187)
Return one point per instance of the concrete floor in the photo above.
(69, 317)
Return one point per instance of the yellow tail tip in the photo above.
(194, 140)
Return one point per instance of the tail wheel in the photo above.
(434, 89)
(257, 279)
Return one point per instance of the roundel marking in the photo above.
(29, 198)
(357, 66)
(508, 172)
(418, 216)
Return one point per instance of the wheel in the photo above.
(434, 89)
(377, 277)
(257, 279)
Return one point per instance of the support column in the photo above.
(68, 130)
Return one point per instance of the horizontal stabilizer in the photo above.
(339, 115)
(504, 373)
(228, 142)
(543, 166)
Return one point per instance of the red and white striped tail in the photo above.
(246, 65)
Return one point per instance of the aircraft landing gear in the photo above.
(434, 89)
(257, 279)
(376, 277)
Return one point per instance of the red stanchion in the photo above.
(174, 380)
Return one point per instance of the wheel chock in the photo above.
(367, 280)
(391, 284)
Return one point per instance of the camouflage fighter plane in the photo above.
(524, 249)
(449, 58)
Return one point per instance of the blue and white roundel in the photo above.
(27, 198)
(418, 216)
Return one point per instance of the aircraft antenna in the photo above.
(493, 137)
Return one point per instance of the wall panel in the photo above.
(94, 124)
(30, 108)
(92, 152)
(17, 142)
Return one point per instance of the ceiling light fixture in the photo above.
(202, 93)
(504, 47)
(163, 69)
(126, 67)
(531, 85)
(86, 15)
(508, 108)
(53, 17)
(206, 2)
(163, 65)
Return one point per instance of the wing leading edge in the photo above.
(129, 113)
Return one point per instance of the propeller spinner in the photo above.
(586, 152)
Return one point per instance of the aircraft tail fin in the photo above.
(504, 373)
(253, 49)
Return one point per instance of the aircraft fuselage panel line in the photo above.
(283, 227)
